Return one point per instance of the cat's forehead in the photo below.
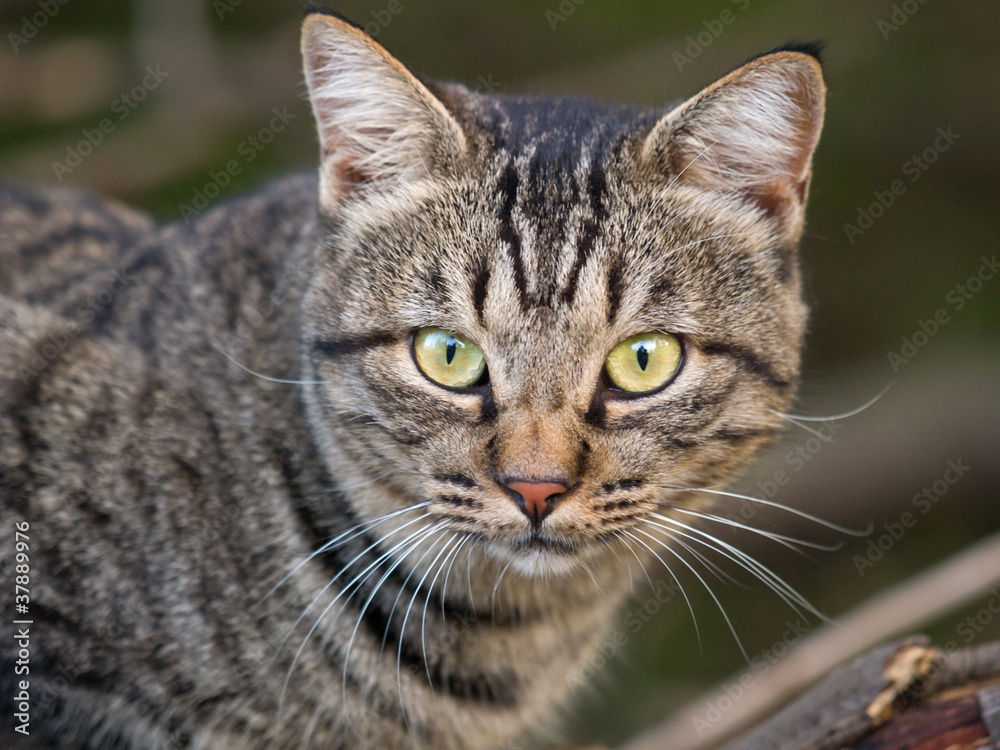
(555, 132)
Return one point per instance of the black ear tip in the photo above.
(311, 9)
(813, 48)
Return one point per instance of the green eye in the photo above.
(448, 358)
(644, 362)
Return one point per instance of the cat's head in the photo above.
(548, 317)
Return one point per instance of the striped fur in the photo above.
(225, 560)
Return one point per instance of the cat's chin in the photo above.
(541, 556)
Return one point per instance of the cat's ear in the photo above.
(378, 125)
(752, 133)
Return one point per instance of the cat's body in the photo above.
(177, 486)
(169, 487)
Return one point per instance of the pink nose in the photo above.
(535, 499)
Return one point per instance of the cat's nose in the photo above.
(535, 499)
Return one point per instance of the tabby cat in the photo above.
(369, 461)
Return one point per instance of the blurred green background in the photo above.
(899, 75)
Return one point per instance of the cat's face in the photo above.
(548, 317)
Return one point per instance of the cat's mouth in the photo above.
(539, 541)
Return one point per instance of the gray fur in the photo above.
(170, 488)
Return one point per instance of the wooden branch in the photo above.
(906, 696)
(953, 583)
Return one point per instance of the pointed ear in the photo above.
(378, 125)
(751, 133)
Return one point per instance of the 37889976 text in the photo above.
(22, 568)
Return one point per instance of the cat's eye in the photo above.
(448, 358)
(644, 362)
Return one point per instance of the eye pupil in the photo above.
(450, 349)
(642, 356)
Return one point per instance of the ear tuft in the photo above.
(814, 48)
(378, 125)
(751, 133)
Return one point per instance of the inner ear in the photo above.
(377, 123)
(752, 133)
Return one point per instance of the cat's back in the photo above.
(58, 245)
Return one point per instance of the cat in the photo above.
(366, 460)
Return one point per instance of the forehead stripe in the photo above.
(508, 232)
(596, 188)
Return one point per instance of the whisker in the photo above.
(339, 540)
(619, 535)
(346, 567)
(777, 584)
(600, 591)
(704, 583)
(772, 504)
(714, 569)
(421, 534)
(493, 598)
(468, 575)
(811, 430)
(371, 597)
(711, 542)
(406, 617)
(631, 583)
(697, 630)
(444, 584)
(455, 546)
(845, 415)
(787, 541)
(268, 378)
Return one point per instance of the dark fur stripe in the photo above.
(71, 234)
(508, 232)
(339, 347)
(480, 284)
(596, 188)
(460, 479)
(615, 284)
(383, 619)
(750, 362)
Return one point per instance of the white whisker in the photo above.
(406, 617)
(351, 533)
(444, 584)
(708, 588)
(845, 415)
(780, 506)
(697, 630)
(777, 584)
(268, 378)
(619, 535)
(455, 546)
(784, 540)
(421, 534)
